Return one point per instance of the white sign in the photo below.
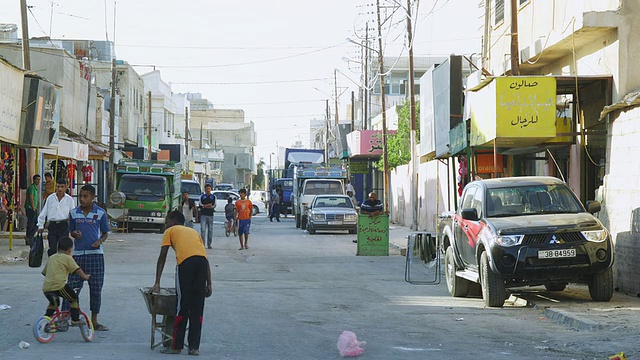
(12, 81)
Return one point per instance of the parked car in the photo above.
(525, 231)
(332, 212)
(195, 191)
(224, 187)
(222, 196)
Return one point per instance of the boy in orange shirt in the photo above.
(244, 208)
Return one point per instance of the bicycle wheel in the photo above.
(235, 231)
(226, 230)
(41, 330)
(86, 329)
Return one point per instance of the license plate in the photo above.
(335, 222)
(554, 254)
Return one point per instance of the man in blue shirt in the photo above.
(371, 206)
(89, 226)
(207, 204)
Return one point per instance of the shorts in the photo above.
(244, 226)
(229, 217)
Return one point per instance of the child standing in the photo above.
(58, 268)
(244, 207)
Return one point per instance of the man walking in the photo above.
(244, 208)
(192, 281)
(207, 203)
(56, 210)
(89, 226)
(275, 207)
(31, 209)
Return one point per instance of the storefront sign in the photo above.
(357, 167)
(39, 102)
(11, 79)
(484, 163)
(366, 143)
(373, 235)
(526, 107)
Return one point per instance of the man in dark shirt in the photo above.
(371, 206)
(207, 204)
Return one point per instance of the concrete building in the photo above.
(226, 130)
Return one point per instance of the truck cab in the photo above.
(311, 180)
(148, 191)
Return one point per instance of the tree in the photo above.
(258, 179)
(399, 144)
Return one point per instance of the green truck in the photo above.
(147, 190)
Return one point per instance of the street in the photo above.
(289, 297)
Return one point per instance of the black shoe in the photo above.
(270, 219)
(278, 220)
(355, 241)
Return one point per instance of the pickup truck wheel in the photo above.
(303, 222)
(297, 221)
(601, 286)
(162, 228)
(457, 286)
(254, 211)
(555, 287)
(493, 289)
(311, 230)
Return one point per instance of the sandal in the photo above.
(194, 352)
(100, 327)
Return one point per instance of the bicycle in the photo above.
(229, 227)
(46, 327)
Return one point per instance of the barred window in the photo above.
(499, 11)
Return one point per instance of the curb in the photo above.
(570, 319)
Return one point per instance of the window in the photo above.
(499, 11)
(522, 2)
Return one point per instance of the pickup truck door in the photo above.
(466, 231)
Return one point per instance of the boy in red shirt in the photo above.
(244, 208)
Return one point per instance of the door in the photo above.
(467, 231)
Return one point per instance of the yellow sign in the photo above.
(526, 107)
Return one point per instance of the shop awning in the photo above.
(69, 149)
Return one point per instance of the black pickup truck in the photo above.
(525, 231)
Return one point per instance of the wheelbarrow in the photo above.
(162, 303)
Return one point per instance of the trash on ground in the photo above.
(23, 345)
(4, 307)
(348, 344)
(460, 319)
(618, 356)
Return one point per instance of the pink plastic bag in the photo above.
(349, 346)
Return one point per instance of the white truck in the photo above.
(311, 180)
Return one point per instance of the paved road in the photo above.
(291, 294)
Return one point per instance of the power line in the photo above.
(250, 82)
(227, 47)
(245, 63)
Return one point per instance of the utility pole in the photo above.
(26, 53)
(365, 64)
(353, 111)
(412, 104)
(515, 53)
(201, 126)
(149, 127)
(112, 133)
(335, 97)
(326, 133)
(186, 130)
(385, 157)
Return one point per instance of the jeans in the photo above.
(206, 226)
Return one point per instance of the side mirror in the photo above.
(470, 214)
(593, 206)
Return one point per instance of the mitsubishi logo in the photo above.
(554, 240)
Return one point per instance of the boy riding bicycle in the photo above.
(56, 272)
(229, 213)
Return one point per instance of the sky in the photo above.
(273, 59)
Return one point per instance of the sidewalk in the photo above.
(19, 251)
